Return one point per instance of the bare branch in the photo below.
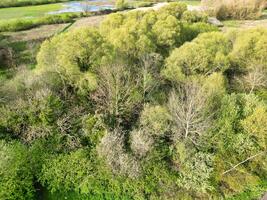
(187, 106)
(249, 158)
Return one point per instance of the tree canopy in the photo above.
(150, 105)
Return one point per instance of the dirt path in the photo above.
(88, 21)
(253, 23)
(38, 33)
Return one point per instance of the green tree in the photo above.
(204, 55)
(74, 56)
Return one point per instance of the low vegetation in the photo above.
(29, 12)
(25, 24)
(238, 9)
(150, 105)
(20, 3)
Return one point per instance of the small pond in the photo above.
(84, 6)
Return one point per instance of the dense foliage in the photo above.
(151, 105)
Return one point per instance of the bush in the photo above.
(35, 117)
(249, 60)
(191, 31)
(155, 119)
(67, 172)
(194, 16)
(238, 9)
(141, 142)
(196, 168)
(250, 48)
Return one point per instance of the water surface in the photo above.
(84, 6)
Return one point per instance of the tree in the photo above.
(189, 114)
(254, 79)
(150, 65)
(204, 55)
(74, 56)
(112, 150)
(167, 31)
(117, 96)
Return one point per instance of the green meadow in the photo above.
(28, 11)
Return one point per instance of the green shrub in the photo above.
(139, 33)
(191, 31)
(16, 178)
(250, 48)
(91, 50)
(16, 25)
(194, 16)
(155, 119)
(67, 172)
(196, 168)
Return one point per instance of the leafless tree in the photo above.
(254, 79)
(187, 106)
(86, 6)
(115, 95)
(150, 74)
(141, 142)
(65, 126)
(112, 150)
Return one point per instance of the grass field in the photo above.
(28, 11)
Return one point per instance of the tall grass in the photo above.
(235, 9)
